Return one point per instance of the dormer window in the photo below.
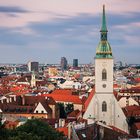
(104, 75)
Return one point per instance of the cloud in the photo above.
(10, 9)
(49, 29)
(52, 9)
(24, 31)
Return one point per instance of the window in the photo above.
(104, 75)
(104, 106)
(42, 111)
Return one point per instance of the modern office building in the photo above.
(75, 63)
(64, 63)
(33, 66)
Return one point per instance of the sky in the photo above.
(46, 30)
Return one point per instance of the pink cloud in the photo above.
(62, 7)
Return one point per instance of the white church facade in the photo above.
(103, 105)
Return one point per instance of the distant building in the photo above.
(75, 63)
(20, 68)
(33, 66)
(52, 71)
(64, 63)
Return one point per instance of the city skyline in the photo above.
(47, 30)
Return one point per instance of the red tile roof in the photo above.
(65, 98)
(63, 91)
(137, 125)
(132, 107)
(89, 99)
(133, 110)
(137, 80)
(64, 130)
(74, 114)
(118, 130)
(131, 90)
(115, 93)
(116, 86)
(41, 83)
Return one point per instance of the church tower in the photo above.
(104, 62)
(33, 79)
(103, 105)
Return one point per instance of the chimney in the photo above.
(15, 98)
(7, 100)
(60, 122)
(10, 99)
(56, 125)
(69, 130)
(63, 122)
(23, 99)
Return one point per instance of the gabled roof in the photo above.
(24, 79)
(65, 98)
(46, 107)
(11, 108)
(130, 90)
(118, 130)
(74, 114)
(133, 110)
(27, 104)
(31, 100)
(92, 131)
(89, 98)
(64, 95)
(63, 91)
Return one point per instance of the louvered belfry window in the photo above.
(104, 75)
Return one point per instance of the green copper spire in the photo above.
(104, 28)
(104, 49)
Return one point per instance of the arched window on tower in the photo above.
(104, 75)
(104, 106)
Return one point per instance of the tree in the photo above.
(62, 110)
(69, 108)
(33, 129)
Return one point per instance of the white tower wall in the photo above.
(100, 65)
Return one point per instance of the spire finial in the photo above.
(104, 28)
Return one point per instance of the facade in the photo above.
(33, 66)
(75, 63)
(103, 105)
(64, 63)
(52, 71)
